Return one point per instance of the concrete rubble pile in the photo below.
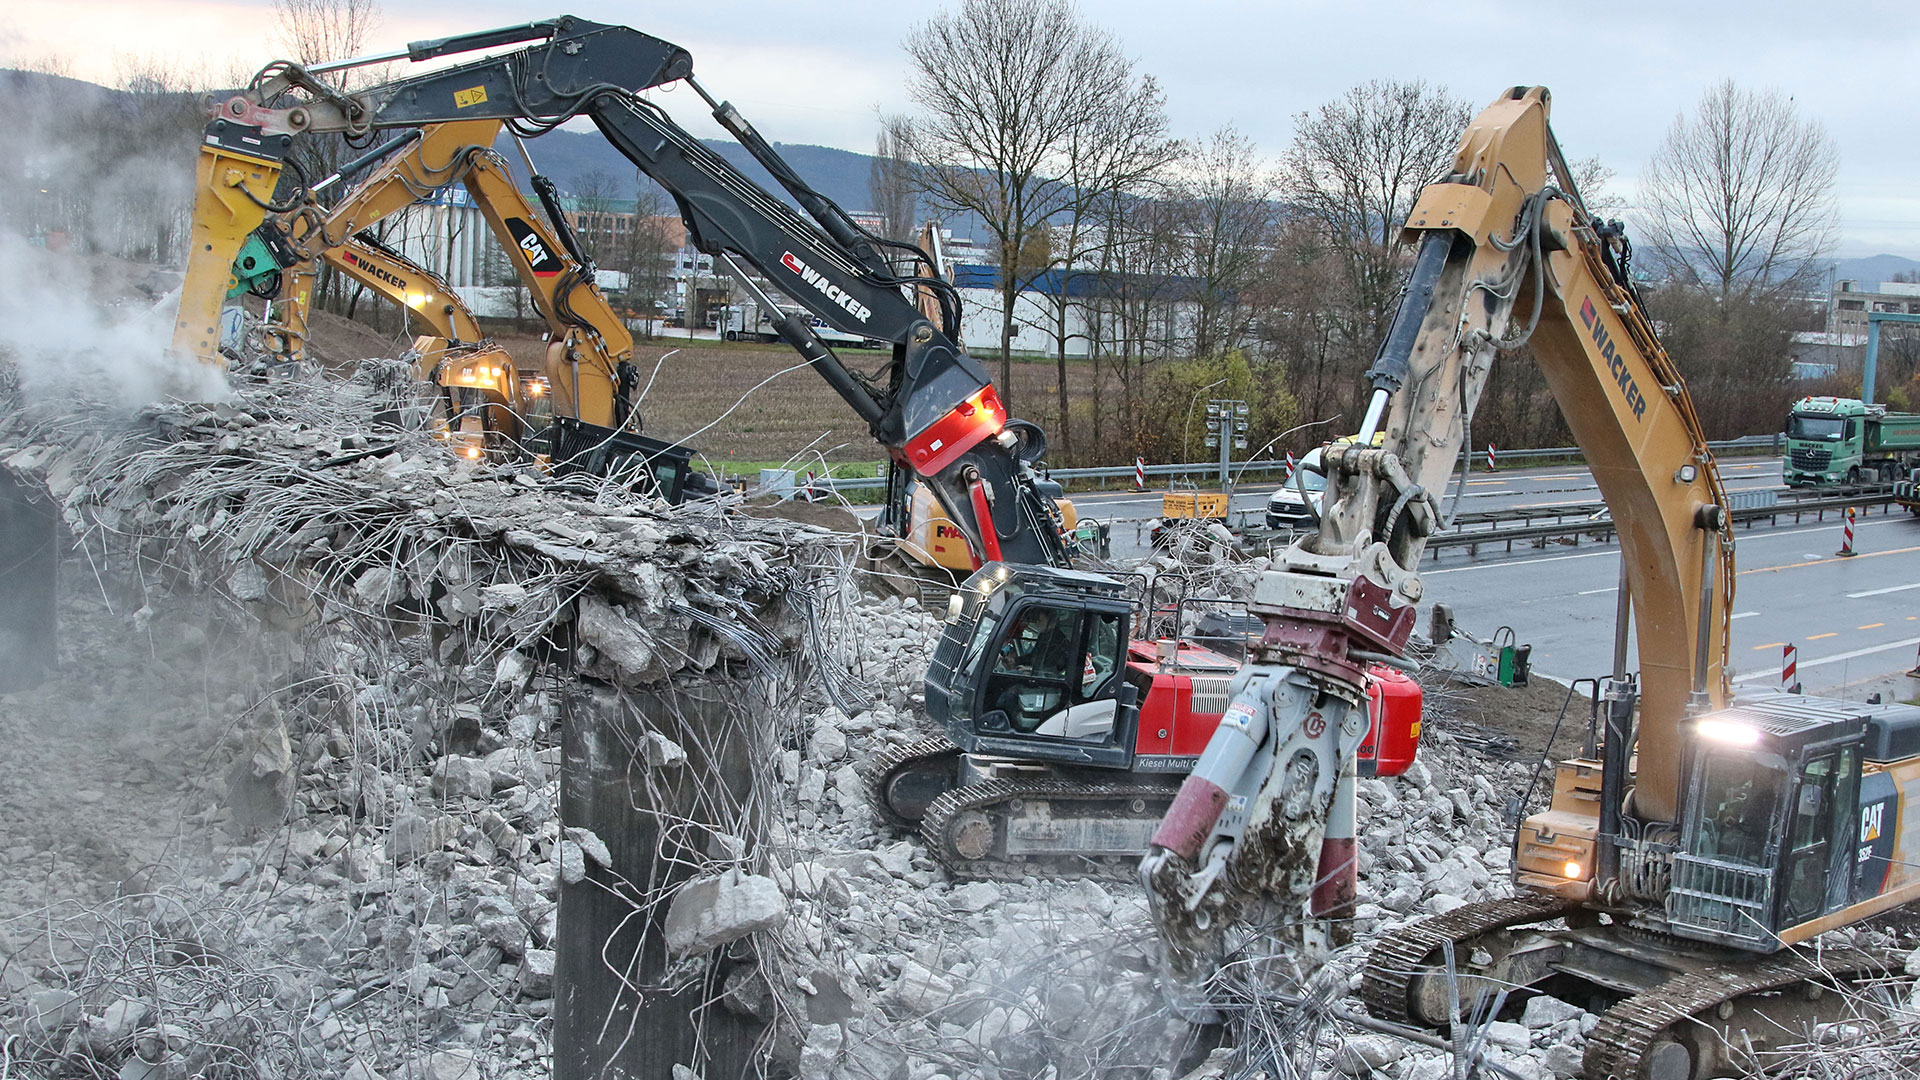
(363, 882)
(370, 866)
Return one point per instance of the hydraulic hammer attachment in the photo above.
(239, 167)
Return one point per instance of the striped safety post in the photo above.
(1789, 666)
(1139, 474)
(1846, 535)
(1491, 467)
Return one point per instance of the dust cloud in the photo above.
(69, 341)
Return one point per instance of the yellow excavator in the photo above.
(1682, 867)
(577, 409)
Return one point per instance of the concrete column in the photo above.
(609, 944)
(29, 562)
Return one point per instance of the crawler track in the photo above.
(901, 780)
(1684, 1006)
(968, 828)
(1396, 961)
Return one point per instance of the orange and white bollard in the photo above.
(1139, 474)
(1789, 666)
(1491, 466)
(1846, 536)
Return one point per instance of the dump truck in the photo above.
(1847, 441)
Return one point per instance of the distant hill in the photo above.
(1873, 269)
(571, 156)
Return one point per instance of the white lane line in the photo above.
(1742, 615)
(1520, 562)
(1834, 659)
(1883, 592)
(1596, 592)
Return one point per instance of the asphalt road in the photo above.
(1854, 621)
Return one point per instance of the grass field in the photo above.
(752, 406)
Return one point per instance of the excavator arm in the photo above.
(589, 361)
(1505, 257)
(933, 407)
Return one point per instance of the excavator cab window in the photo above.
(1054, 668)
(1822, 799)
(1737, 799)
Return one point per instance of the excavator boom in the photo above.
(934, 408)
(1505, 257)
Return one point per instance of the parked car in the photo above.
(1296, 504)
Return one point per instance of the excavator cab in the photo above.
(1032, 656)
(1773, 835)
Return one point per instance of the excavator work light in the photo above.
(1573, 871)
(1728, 731)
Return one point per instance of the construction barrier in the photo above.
(1788, 666)
(1491, 467)
(1846, 535)
(1139, 474)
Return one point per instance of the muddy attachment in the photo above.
(27, 564)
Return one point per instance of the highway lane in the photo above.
(1854, 621)
(1536, 488)
(1551, 485)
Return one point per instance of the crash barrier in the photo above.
(1211, 469)
(1575, 522)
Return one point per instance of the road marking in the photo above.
(1596, 592)
(1742, 615)
(1828, 634)
(1486, 482)
(1834, 659)
(1871, 626)
(1883, 592)
(1521, 562)
(1769, 645)
(1830, 559)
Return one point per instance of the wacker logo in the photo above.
(832, 292)
(371, 270)
(1616, 361)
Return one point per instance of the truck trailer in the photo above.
(1844, 440)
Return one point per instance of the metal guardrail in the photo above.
(1212, 468)
(1599, 528)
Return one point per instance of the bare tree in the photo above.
(312, 31)
(1227, 214)
(650, 255)
(316, 30)
(890, 180)
(1356, 166)
(1739, 197)
(1016, 98)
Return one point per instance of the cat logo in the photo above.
(540, 259)
(1870, 822)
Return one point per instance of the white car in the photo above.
(1296, 504)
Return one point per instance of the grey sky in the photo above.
(821, 72)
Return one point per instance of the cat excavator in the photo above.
(1681, 869)
(577, 408)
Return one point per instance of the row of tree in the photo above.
(1205, 262)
